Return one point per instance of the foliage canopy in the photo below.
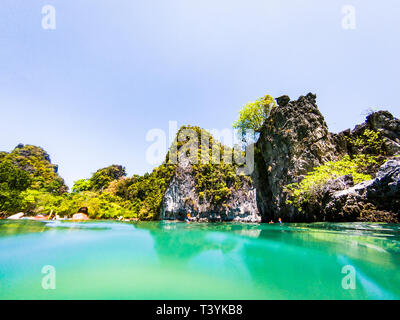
(30, 183)
(253, 114)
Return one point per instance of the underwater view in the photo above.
(174, 260)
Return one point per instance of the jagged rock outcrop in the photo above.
(387, 125)
(373, 200)
(295, 139)
(183, 196)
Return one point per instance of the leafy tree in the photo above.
(40, 201)
(146, 193)
(102, 178)
(12, 182)
(253, 114)
(82, 185)
(12, 177)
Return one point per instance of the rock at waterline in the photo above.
(80, 216)
(16, 216)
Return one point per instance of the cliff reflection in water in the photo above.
(172, 260)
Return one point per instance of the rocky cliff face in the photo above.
(375, 200)
(295, 139)
(181, 197)
(183, 194)
(383, 122)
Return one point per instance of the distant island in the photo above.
(302, 173)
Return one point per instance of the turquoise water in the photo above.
(169, 260)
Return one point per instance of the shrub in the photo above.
(310, 187)
(370, 151)
(82, 185)
(102, 178)
(369, 142)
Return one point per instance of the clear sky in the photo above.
(90, 90)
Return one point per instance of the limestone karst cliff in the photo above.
(295, 140)
(209, 191)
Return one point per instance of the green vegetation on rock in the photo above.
(13, 181)
(369, 142)
(27, 169)
(371, 148)
(30, 183)
(36, 162)
(100, 180)
(314, 182)
(145, 193)
(214, 168)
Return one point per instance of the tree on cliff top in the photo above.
(253, 114)
(101, 179)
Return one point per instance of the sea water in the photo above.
(174, 260)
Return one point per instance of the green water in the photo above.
(168, 260)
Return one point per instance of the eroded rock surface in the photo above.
(295, 139)
(373, 200)
(181, 198)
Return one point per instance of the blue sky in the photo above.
(90, 90)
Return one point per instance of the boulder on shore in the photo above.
(374, 200)
(16, 216)
(80, 216)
